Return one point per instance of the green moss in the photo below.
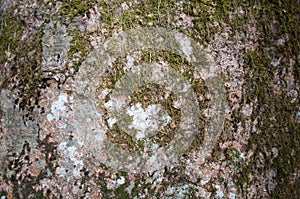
(141, 186)
(10, 35)
(79, 48)
(276, 120)
(121, 192)
(112, 75)
(276, 114)
(26, 65)
(289, 190)
(144, 13)
(123, 140)
(72, 8)
(30, 71)
(79, 44)
(3, 194)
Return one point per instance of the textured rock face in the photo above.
(149, 99)
(56, 43)
(15, 132)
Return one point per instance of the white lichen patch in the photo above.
(111, 121)
(114, 184)
(120, 181)
(247, 110)
(275, 62)
(130, 61)
(176, 104)
(185, 87)
(298, 116)
(58, 107)
(114, 104)
(148, 120)
(130, 187)
(219, 192)
(202, 193)
(75, 163)
(178, 192)
(231, 196)
(185, 44)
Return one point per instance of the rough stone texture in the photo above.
(56, 44)
(84, 82)
(15, 132)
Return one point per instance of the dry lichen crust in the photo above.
(87, 88)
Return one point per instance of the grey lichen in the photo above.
(15, 131)
(56, 43)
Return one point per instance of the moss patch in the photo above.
(24, 72)
(10, 36)
(72, 8)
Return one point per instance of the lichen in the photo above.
(56, 43)
(15, 132)
(253, 43)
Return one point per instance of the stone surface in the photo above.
(149, 99)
